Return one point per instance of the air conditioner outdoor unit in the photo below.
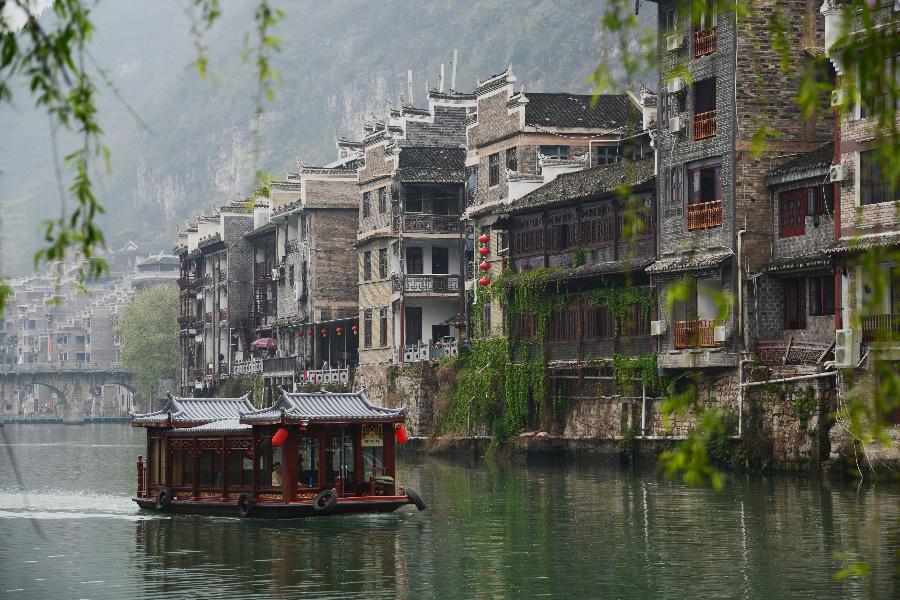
(719, 333)
(837, 97)
(836, 173)
(676, 124)
(657, 327)
(199, 295)
(675, 85)
(673, 42)
(198, 338)
(846, 349)
(276, 275)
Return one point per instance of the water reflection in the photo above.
(535, 529)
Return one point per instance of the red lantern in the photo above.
(354, 329)
(484, 251)
(324, 332)
(299, 333)
(280, 436)
(485, 266)
(485, 238)
(339, 331)
(309, 332)
(485, 281)
(400, 435)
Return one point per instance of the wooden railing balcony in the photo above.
(704, 42)
(704, 125)
(702, 215)
(695, 334)
(416, 223)
(881, 328)
(263, 271)
(438, 284)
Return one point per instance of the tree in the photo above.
(149, 329)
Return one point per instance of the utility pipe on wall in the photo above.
(740, 283)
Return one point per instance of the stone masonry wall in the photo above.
(446, 129)
(332, 285)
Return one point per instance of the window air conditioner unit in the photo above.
(673, 42)
(657, 327)
(846, 349)
(836, 173)
(276, 275)
(675, 85)
(676, 124)
(837, 97)
(199, 295)
(719, 333)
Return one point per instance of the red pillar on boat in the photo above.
(289, 466)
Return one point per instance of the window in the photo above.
(80, 357)
(382, 200)
(382, 327)
(562, 325)
(559, 152)
(365, 206)
(705, 108)
(794, 305)
(64, 357)
(598, 323)
(471, 177)
(308, 460)
(667, 19)
(440, 260)
(62, 339)
(494, 169)
(182, 468)
(821, 295)
(512, 159)
(676, 191)
(706, 184)
(607, 155)
(561, 228)
(382, 263)
(79, 339)
(705, 19)
(873, 185)
(367, 266)
(672, 106)
(876, 94)
(792, 212)
(415, 195)
(210, 472)
(240, 469)
(527, 326)
(596, 224)
(444, 200)
(367, 328)
(527, 235)
(414, 263)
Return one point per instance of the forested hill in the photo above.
(340, 61)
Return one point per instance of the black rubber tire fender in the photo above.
(164, 498)
(245, 505)
(325, 501)
(415, 499)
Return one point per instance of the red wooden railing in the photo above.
(704, 125)
(702, 215)
(704, 42)
(880, 328)
(695, 334)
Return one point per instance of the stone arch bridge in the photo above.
(74, 384)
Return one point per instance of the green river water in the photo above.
(493, 530)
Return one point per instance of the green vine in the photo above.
(619, 301)
(641, 368)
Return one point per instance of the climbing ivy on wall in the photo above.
(641, 368)
(619, 300)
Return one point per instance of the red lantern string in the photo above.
(280, 436)
(324, 332)
(485, 281)
(339, 331)
(401, 435)
(485, 238)
(484, 251)
(485, 266)
(309, 332)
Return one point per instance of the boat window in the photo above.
(308, 461)
(182, 468)
(269, 456)
(373, 461)
(210, 468)
(240, 468)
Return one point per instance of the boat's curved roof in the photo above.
(323, 407)
(191, 412)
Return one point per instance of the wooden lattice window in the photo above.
(794, 303)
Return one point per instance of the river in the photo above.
(492, 530)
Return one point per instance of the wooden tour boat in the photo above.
(309, 454)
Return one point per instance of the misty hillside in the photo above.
(339, 62)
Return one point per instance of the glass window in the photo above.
(705, 184)
(239, 469)
(308, 460)
(414, 263)
(414, 198)
(559, 152)
(874, 187)
(607, 155)
(373, 461)
(383, 327)
(512, 159)
(182, 468)
(821, 295)
(382, 263)
(440, 260)
(494, 169)
(792, 212)
(794, 304)
(365, 205)
(367, 266)
(367, 328)
(382, 200)
(210, 468)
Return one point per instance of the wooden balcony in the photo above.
(880, 328)
(695, 334)
(427, 284)
(781, 352)
(704, 42)
(703, 215)
(704, 125)
(420, 223)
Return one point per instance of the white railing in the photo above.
(426, 351)
(324, 376)
(247, 367)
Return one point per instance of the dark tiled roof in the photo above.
(820, 158)
(575, 110)
(194, 411)
(865, 242)
(587, 183)
(432, 164)
(689, 262)
(224, 426)
(261, 231)
(796, 264)
(323, 407)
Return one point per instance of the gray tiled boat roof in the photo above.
(224, 426)
(194, 411)
(323, 407)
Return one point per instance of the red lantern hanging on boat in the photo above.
(280, 436)
(485, 238)
(484, 251)
(324, 332)
(339, 330)
(400, 435)
(485, 266)
(485, 281)
(309, 332)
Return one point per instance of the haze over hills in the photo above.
(340, 61)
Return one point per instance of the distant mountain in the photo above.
(340, 61)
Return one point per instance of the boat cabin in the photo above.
(207, 454)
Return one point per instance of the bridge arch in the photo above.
(61, 401)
